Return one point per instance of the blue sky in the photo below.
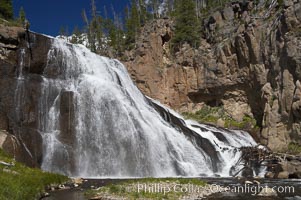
(47, 16)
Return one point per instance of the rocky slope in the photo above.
(249, 63)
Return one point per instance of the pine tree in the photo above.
(76, 34)
(132, 24)
(142, 12)
(93, 28)
(6, 9)
(154, 8)
(119, 47)
(186, 24)
(99, 33)
(22, 15)
(111, 27)
(87, 27)
(170, 6)
(63, 31)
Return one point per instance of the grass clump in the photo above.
(294, 148)
(130, 189)
(21, 182)
(206, 114)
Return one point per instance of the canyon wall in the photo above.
(249, 62)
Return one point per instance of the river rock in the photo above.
(248, 182)
(295, 175)
(3, 136)
(228, 13)
(10, 171)
(292, 166)
(78, 181)
(97, 198)
(269, 175)
(283, 175)
(267, 192)
(220, 122)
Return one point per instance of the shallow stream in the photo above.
(246, 192)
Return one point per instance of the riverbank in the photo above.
(214, 188)
(20, 182)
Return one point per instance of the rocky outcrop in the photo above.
(249, 62)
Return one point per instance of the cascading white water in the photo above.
(115, 131)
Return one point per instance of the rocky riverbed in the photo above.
(215, 188)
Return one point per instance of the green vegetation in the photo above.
(93, 28)
(6, 14)
(120, 31)
(211, 115)
(10, 22)
(19, 182)
(213, 5)
(132, 25)
(246, 123)
(280, 3)
(219, 3)
(22, 15)
(116, 35)
(186, 24)
(6, 9)
(129, 189)
(102, 32)
(76, 36)
(206, 114)
(294, 148)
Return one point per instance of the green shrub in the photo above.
(206, 114)
(209, 114)
(246, 123)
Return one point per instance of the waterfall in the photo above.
(19, 93)
(96, 123)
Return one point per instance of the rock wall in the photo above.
(23, 57)
(249, 62)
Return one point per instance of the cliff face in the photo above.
(249, 62)
(23, 57)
